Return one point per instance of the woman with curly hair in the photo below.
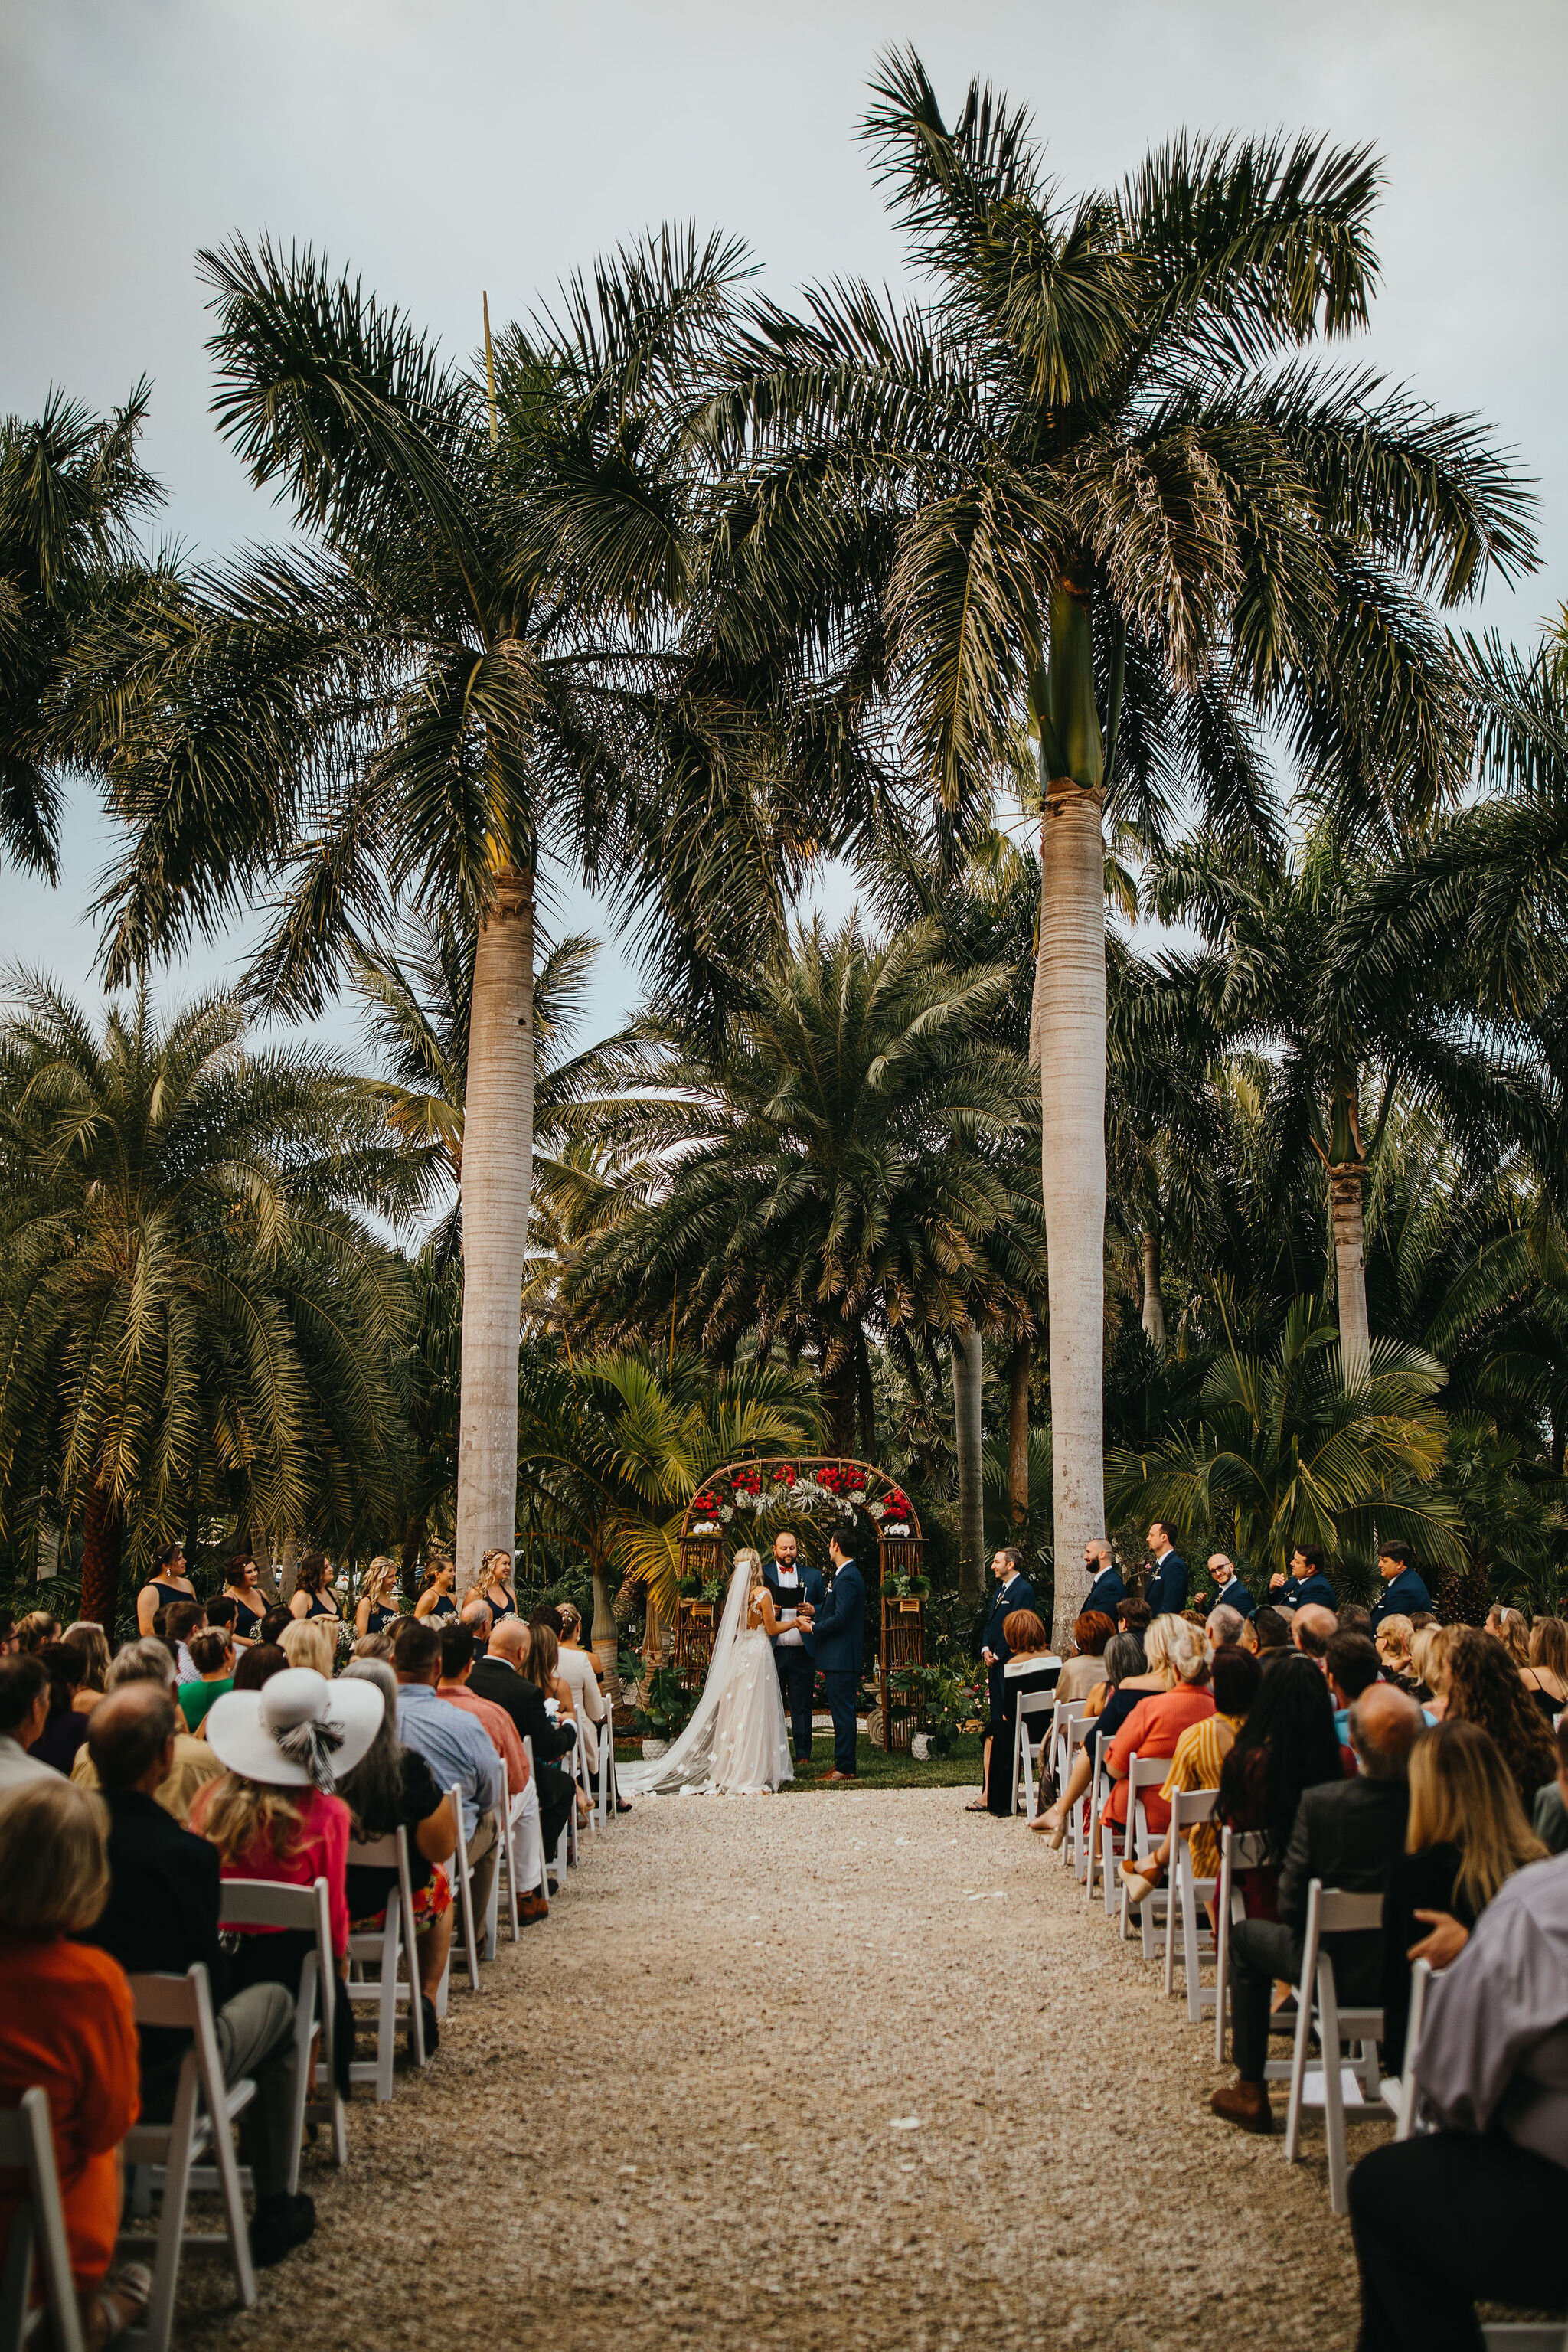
(1286, 1743)
(1485, 1686)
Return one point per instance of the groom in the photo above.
(837, 1638)
(790, 1585)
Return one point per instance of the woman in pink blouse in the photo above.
(1175, 1649)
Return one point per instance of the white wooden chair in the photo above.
(1034, 1707)
(1239, 1850)
(1075, 1851)
(262, 1903)
(1188, 1807)
(388, 1947)
(38, 2233)
(606, 1795)
(1106, 1843)
(205, 2110)
(1068, 1710)
(1402, 2094)
(1331, 1912)
(462, 1876)
(1143, 1773)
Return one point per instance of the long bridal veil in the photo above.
(687, 1762)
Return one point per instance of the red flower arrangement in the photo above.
(704, 1505)
(784, 1475)
(897, 1504)
(840, 1478)
(747, 1482)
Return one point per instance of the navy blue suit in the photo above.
(838, 1641)
(1298, 1591)
(797, 1664)
(1018, 1593)
(1104, 1593)
(1235, 1595)
(1166, 1591)
(1400, 1597)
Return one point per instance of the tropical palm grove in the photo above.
(1174, 1127)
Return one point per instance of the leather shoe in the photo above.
(279, 2224)
(1246, 2103)
(530, 1907)
(837, 1775)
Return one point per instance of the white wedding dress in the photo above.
(737, 1742)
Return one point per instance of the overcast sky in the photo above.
(446, 146)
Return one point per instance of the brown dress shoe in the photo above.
(841, 1775)
(530, 1907)
(1246, 2103)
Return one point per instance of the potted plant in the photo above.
(665, 1711)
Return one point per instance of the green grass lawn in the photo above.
(875, 1769)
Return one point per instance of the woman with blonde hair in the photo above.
(1429, 1655)
(1177, 1652)
(1507, 1626)
(1392, 1642)
(1465, 1834)
(378, 1605)
(494, 1587)
(1129, 1680)
(67, 2025)
(91, 1639)
(435, 1590)
(308, 1641)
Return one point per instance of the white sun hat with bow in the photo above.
(297, 1730)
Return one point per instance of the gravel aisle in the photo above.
(673, 2117)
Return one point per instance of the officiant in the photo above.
(791, 1584)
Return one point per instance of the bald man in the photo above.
(1348, 1834)
(1312, 1628)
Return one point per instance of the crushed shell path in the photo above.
(821, 2071)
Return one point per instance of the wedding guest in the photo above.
(500, 1677)
(254, 1667)
(1127, 1681)
(35, 1629)
(391, 1788)
(1392, 1642)
(1507, 1626)
(457, 1666)
(195, 1764)
(1032, 1666)
(68, 2027)
(1551, 1821)
(457, 1749)
(242, 1585)
(1200, 1753)
(1224, 1627)
(1086, 1667)
(162, 1919)
(1429, 1648)
(310, 1641)
(578, 1670)
(1351, 1663)
(1484, 1687)
(378, 1607)
(1174, 1651)
(373, 1646)
(1272, 1628)
(88, 1638)
(168, 1582)
(275, 1623)
(1286, 1745)
(212, 1654)
(181, 1620)
(1134, 1617)
(1347, 1834)
(1466, 1833)
(65, 1727)
(1312, 1628)
(1492, 2067)
(24, 1712)
(435, 1590)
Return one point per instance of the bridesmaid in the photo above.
(435, 1599)
(242, 1585)
(167, 1583)
(312, 1595)
(379, 1604)
(494, 1586)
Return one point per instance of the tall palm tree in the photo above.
(1097, 479)
(1348, 1041)
(73, 491)
(1302, 1446)
(460, 669)
(190, 1290)
(839, 1171)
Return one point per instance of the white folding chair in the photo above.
(463, 1896)
(1404, 2095)
(1331, 1912)
(582, 1771)
(1034, 1707)
(1143, 1773)
(1075, 1851)
(205, 2109)
(1188, 1807)
(607, 1794)
(1525, 2335)
(262, 1903)
(1105, 1840)
(1068, 1710)
(501, 1816)
(37, 2230)
(1239, 1850)
(387, 1945)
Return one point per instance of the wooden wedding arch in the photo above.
(749, 1503)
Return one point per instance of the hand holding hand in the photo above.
(989, 1657)
(806, 1612)
(1444, 1945)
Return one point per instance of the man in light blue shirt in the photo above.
(456, 1747)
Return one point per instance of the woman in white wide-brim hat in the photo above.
(275, 1814)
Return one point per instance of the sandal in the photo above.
(981, 1808)
(118, 2304)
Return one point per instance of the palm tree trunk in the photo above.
(102, 1539)
(1067, 1037)
(1018, 1440)
(1347, 1210)
(1154, 1305)
(497, 1176)
(968, 1365)
(288, 1566)
(603, 1640)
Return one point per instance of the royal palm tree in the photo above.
(1348, 1041)
(462, 667)
(1096, 481)
(191, 1288)
(73, 491)
(841, 1172)
(1301, 1447)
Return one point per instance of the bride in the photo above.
(737, 1742)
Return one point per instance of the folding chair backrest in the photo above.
(374, 1853)
(38, 2228)
(1189, 1806)
(262, 1903)
(1342, 1914)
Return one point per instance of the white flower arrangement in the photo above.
(725, 1513)
(704, 1527)
(877, 1510)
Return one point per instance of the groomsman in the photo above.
(1228, 1588)
(1306, 1583)
(1107, 1588)
(1166, 1591)
(1014, 1591)
(790, 1584)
